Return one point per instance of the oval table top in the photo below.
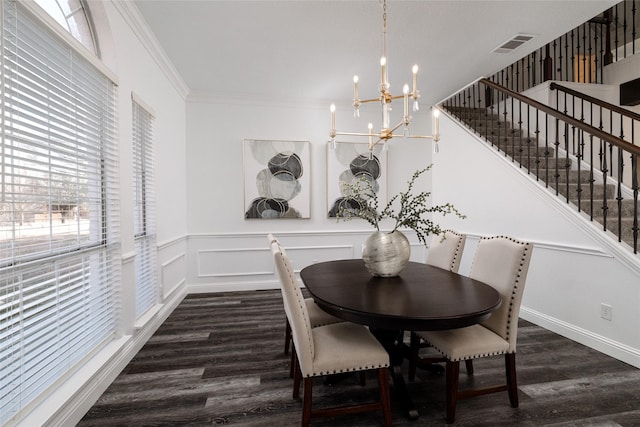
(422, 297)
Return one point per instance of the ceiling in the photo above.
(310, 49)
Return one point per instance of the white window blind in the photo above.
(144, 209)
(59, 225)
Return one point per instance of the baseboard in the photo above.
(600, 343)
(67, 404)
(206, 288)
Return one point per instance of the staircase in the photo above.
(564, 174)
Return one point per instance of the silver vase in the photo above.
(386, 254)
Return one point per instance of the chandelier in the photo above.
(385, 98)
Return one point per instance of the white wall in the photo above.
(142, 71)
(227, 252)
(621, 72)
(574, 268)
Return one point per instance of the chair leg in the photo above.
(287, 335)
(297, 376)
(414, 354)
(383, 384)
(469, 365)
(292, 363)
(453, 372)
(306, 401)
(512, 383)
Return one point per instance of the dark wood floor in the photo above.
(218, 359)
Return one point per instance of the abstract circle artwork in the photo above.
(276, 179)
(350, 163)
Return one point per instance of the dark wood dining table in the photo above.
(421, 298)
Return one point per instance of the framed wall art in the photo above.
(277, 182)
(349, 162)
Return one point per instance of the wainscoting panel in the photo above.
(302, 256)
(172, 262)
(234, 262)
(242, 261)
(418, 252)
(172, 272)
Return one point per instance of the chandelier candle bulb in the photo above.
(333, 119)
(355, 90)
(436, 125)
(405, 90)
(415, 81)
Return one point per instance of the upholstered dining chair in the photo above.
(317, 316)
(501, 262)
(445, 251)
(330, 349)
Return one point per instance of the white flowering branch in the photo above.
(411, 213)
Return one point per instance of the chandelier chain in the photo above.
(384, 28)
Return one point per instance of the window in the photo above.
(73, 16)
(144, 212)
(59, 232)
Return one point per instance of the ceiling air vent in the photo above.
(513, 43)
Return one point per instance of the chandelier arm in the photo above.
(352, 133)
(420, 136)
(397, 126)
(364, 101)
(375, 143)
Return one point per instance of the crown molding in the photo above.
(138, 25)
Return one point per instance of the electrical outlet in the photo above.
(606, 311)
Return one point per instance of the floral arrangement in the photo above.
(363, 203)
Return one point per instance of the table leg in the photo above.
(392, 341)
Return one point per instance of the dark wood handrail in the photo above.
(618, 142)
(631, 114)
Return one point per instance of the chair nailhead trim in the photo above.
(518, 275)
(340, 371)
(474, 356)
(457, 252)
(301, 302)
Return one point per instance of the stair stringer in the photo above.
(569, 210)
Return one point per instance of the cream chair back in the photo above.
(445, 251)
(295, 308)
(503, 263)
